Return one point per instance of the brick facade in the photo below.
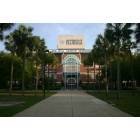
(87, 74)
(73, 47)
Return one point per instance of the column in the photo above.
(65, 75)
(77, 75)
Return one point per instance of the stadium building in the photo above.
(70, 69)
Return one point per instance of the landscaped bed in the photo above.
(129, 101)
(10, 105)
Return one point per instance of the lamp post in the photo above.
(106, 77)
(44, 80)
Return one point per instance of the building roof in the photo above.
(59, 51)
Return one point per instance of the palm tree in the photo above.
(10, 46)
(23, 40)
(104, 45)
(54, 63)
(50, 61)
(39, 47)
(96, 60)
(4, 27)
(42, 54)
(118, 34)
(137, 33)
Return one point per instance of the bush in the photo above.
(92, 86)
(52, 85)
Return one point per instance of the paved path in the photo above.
(68, 103)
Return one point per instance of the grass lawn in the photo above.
(23, 102)
(129, 101)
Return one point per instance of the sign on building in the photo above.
(70, 42)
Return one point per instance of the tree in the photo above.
(5, 68)
(4, 27)
(136, 66)
(118, 34)
(23, 40)
(104, 45)
(39, 47)
(137, 33)
(42, 54)
(50, 61)
(10, 46)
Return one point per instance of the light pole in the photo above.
(106, 78)
(44, 80)
(118, 74)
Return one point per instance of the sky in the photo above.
(50, 32)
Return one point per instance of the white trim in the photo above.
(66, 59)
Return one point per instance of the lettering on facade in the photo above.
(73, 42)
(70, 42)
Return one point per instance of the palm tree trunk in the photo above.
(11, 77)
(99, 76)
(132, 71)
(48, 71)
(48, 76)
(111, 83)
(118, 78)
(43, 79)
(36, 82)
(88, 75)
(37, 77)
(23, 74)
(94, 71)
(106, 79)
(94, 75)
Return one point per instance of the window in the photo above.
(71, 64)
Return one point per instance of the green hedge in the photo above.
(92, 86)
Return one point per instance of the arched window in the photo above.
(71, 64)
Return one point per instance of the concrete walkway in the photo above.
(72, 103)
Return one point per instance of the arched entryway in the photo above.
(71, 83)
(71, 71)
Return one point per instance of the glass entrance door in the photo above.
(71, 71)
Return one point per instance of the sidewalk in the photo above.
(72, 103)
